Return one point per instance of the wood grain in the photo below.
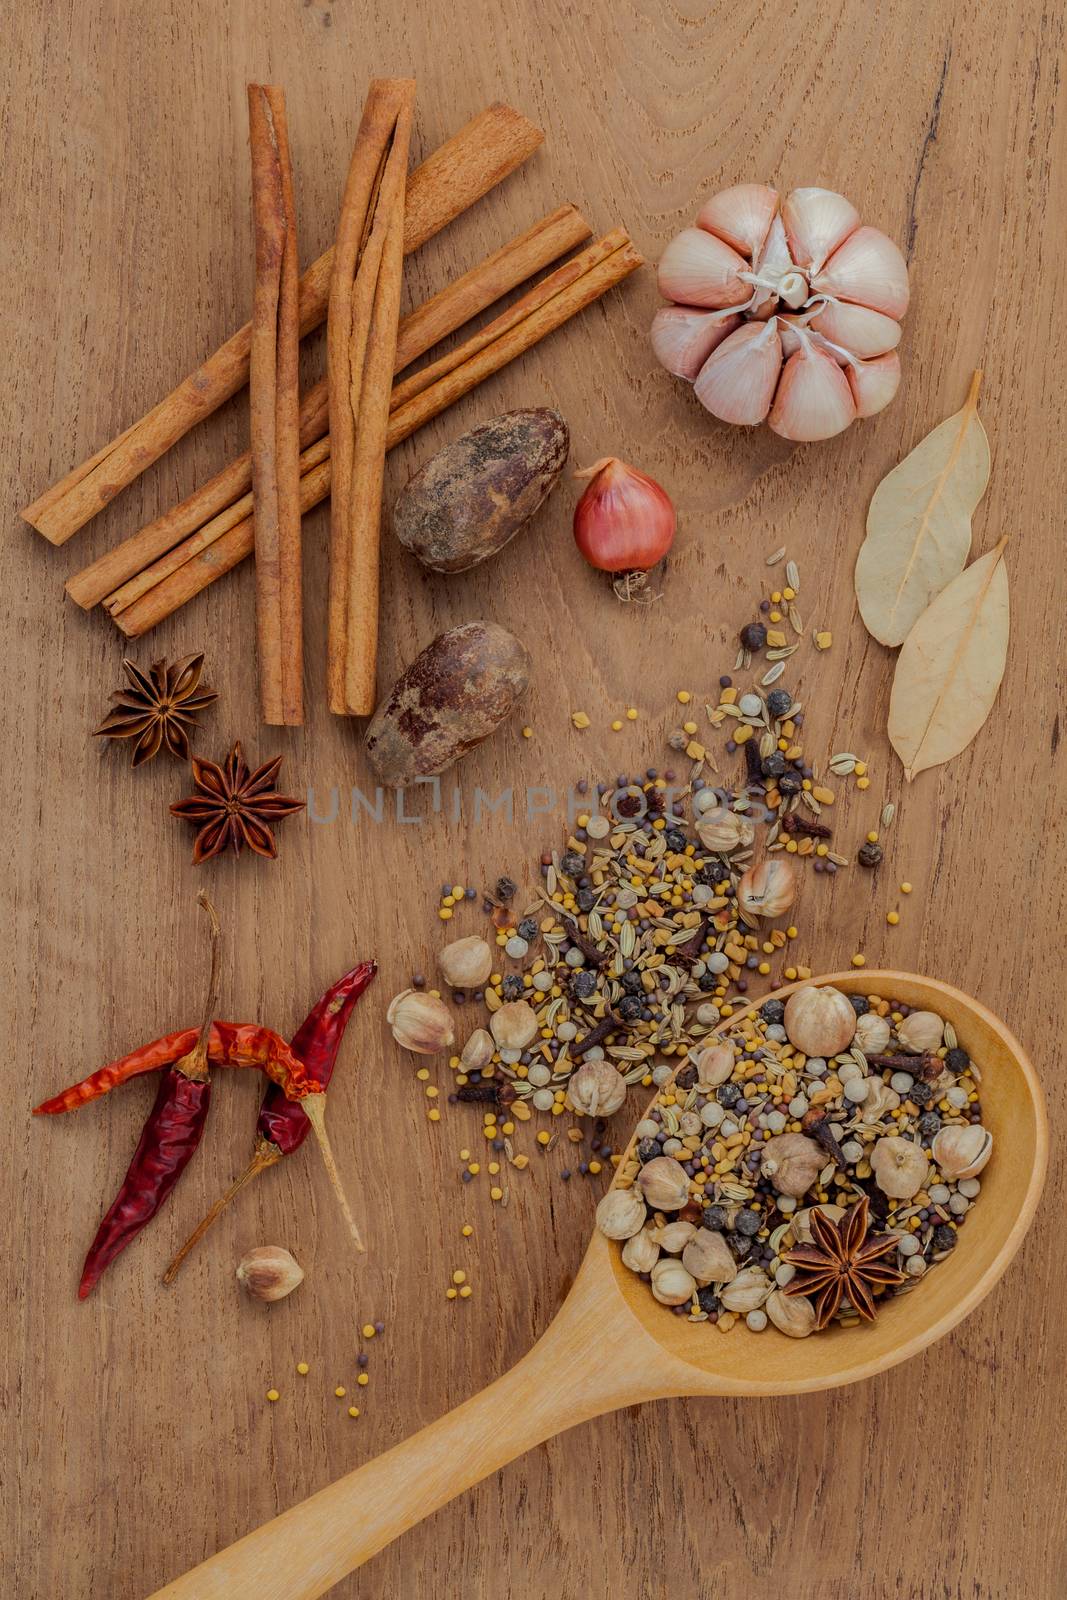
(136, 1439)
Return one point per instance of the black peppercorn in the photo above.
(511, 988)
(944, 1237)
(957, 1060)
(748, 1222)
(631, 982)
(772, 1010)
(860, 1004)
(739, 1245)
(648, 1150)
(728, 1095)
(753, 636)
(572, 863)
(586, 899)
(687, 1077)
(505, 888)
(707, 876)
(676, 839)
(868, 854)
(790, 783)
(778, 702)
(583, 984)
(773, 766)
(707, 982)
(631, 1007)
(527, 928)
(707, 1300)
(714, 1219)
(920, 1093)
(928, 1125)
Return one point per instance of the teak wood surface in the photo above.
(136, 1437)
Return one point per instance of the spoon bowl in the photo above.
(611, 1344)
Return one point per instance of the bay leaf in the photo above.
(950, 667)
(919, 523)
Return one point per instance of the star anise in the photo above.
(234, 807)
(158, 708)
(844, 1258)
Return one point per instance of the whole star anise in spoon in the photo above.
(234, 806)
(159, 708)
(844, 1258)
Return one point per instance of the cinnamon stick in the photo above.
(204, 563)
(466, 167)
(274, 389)
(120, 570)
(361, 337)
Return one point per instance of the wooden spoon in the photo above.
(611, 1345)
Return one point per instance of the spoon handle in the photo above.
(582, 1366)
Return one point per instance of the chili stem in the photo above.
(314, 1106)
(195, 1064)
(265, 1157)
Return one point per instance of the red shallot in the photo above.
(623, 524)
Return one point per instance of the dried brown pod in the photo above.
(159, 708)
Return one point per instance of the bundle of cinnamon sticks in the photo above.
(339, 432)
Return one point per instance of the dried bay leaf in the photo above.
(950, 667)
(919, 523)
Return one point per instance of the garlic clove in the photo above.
(420, 1022)
(962, 1149)
(792, 1314)
(813, 400)
(769, 888)
(868, 269)
(672, 1285)
(640, 1252)
(741, 216)
(709, 1258)
(700, 270)
(737, 382)
(466, 963)
(863, 332)
(621, 1213)
(874, 383)
(747, 1291)
(683, 338)
(674, 1236)
(269, 1273)
(816, 222)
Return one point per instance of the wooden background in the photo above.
(136, 1436)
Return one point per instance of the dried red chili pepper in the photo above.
(168, 1140)
(282, 1125)
(230, 1044)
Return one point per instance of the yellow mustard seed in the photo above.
(872, 837)
(303, 1368)
(631, 713)
(367, 1330)
(863, 783)
(353, 1411)
(543, 1137)
(689, 727)
(433, 1115)
(272, 1394)
(496, 1193)
(494, 1168)
(363, 1380)
(616, 726)
(892, 917)
(340, 1391)
(459, 1276)
(684, 697)
(466, 1230)
(450, 1294)
(859, 960)
(444, 913)
(905, 888)
(475, 1168)
(466, 1292)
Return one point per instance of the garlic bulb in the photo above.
(514, 1026)
(466, 963)
(597, 1089)
(664, 1184)
(962, 1149)
(671, 1284)
(724, 832)
(792, 1314)
(640, 1252)
(420, 1022)
(819, 1021)
(899, 1166)
(922, 1031)
(747, 1291)
(786, 312)
(769, 889)
(872, 1033)
(709, 1258)
(792, 1162)
(621, 1214)
(269, 1272)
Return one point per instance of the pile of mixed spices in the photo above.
(819, 1155)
